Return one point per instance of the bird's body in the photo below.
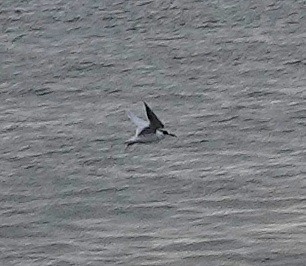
(153, 137)
(147, 131)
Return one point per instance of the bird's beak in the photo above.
(172, 135)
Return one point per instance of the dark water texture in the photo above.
(228, 77)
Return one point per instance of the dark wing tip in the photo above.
(148, 109)
(145, 104)
(154, 121)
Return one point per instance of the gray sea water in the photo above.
(228, 77)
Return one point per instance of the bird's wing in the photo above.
(140, 123)
(155, 123)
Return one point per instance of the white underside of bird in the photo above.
(154, 137)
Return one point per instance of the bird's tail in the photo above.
(129, 142)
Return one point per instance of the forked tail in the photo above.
(129, 143)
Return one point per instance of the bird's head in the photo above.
(165, 132)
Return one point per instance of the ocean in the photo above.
(227, 77)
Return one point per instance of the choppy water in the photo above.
(228, 77)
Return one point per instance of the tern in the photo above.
(147, 131)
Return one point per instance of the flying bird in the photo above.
(147, 131)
